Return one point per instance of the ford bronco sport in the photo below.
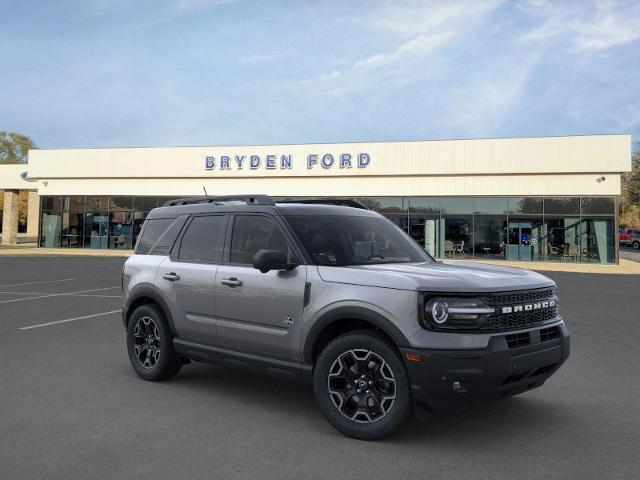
(337, 296)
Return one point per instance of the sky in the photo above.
(115, 73)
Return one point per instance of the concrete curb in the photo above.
(84, 252)
(626, 267)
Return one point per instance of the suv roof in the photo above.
(258, 203)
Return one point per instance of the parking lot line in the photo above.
(57, 294)
(61, 294)
(90, 295)
(40, 281)
(22, 293)
(66, 320)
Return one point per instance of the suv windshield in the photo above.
(342, 240)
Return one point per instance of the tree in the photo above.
(14, 147)
(630, 198)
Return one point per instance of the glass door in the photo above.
(97, 230)
(524, 241)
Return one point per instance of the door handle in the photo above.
(231, 282)
(172, 277)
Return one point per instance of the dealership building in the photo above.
(534, 199)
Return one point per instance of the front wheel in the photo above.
(636, 245)
(362, 386)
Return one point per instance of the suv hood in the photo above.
(437, 277)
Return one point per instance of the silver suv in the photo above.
(337, 296)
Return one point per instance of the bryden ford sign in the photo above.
(285, 162)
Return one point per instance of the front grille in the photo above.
(518, 297)
(510, 321)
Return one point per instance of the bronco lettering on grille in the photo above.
(529, 307)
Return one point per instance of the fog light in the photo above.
(459, 388)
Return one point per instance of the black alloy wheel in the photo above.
(146, 337)
(361, 385)
(150, 344)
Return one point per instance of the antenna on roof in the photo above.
(205, 191)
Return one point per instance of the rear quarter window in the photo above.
(158, 235)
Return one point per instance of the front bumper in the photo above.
(446, 380)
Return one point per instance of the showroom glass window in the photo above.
(51, 222)
(425, 225)
(457, 214)
(72, 222)
(562, 229)
(121, 222)
(597, 239)
(525, 229)
(535, 228)
(490, 227)
(96, 222)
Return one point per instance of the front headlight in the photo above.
(456, 313)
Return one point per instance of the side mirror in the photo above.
(265, 260)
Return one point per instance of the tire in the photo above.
(150, 344)
(384, 401)
(636, 245)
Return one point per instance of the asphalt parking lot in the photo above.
(71, 407)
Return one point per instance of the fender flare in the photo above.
(351, 313)
(149, 291)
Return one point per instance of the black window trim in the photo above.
(175, 250)
(292, 240)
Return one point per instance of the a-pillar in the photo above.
(33, 214)
(10, 217)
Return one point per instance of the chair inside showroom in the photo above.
(120, 241)
(458, 248)
(553, 251)
(448, 248)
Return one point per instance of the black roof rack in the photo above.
(342, 202)
(221, 199)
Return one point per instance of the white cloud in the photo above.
(419, 17)
(600, 26)
(479, 105)
(420, 30)
(363, 72)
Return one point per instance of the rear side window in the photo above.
(151, 233)
(204, 240)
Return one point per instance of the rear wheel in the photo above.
(636, 245)
(150, 344)
(362, 386)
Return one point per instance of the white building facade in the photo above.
(540, 199)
